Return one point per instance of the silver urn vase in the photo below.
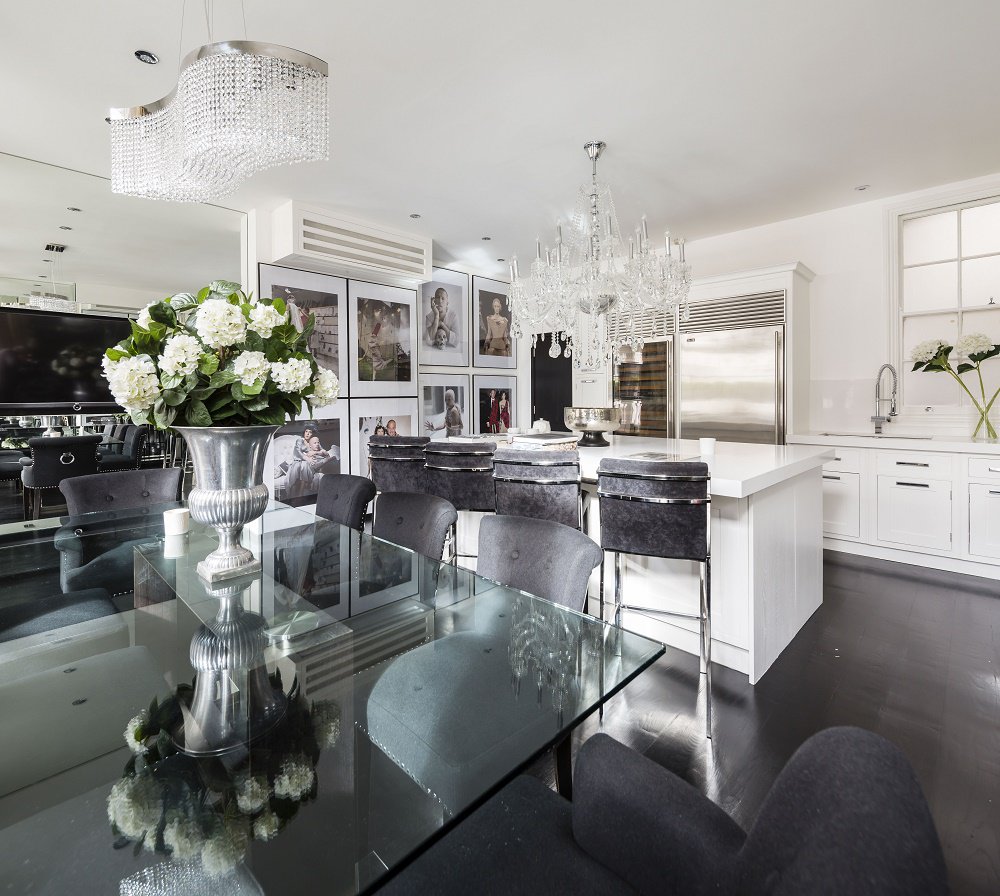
(234, 700)
(229, 491)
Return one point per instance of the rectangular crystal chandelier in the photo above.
(239, 107)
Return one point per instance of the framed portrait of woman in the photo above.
(379, 417)
(494, 399)
(444, 405)
(382, 348)
(322, 295)
(444, 320)
(494, 346)
(305, 450)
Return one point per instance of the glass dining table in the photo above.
(309, 729)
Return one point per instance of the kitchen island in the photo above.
(767, 549)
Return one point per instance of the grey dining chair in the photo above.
(121, 490)
(344, 499)
(542, 557)
(660, 509)
(54, 459)
(540, 483)
(418, 522)
(130, 456)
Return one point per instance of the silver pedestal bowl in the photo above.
(593, 423)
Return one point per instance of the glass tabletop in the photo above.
(307, 729)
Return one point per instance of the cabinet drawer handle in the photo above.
(994, 492)
(915, 484)
(836, 458)
(910, 463)
(831, 477)
(588, 381)
(993, 469)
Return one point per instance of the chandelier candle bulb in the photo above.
(670, 250)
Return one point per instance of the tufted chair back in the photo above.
(121, 490)
(418, 522)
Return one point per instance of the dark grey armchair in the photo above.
(53, 460)
(846, 815)
(344, 499)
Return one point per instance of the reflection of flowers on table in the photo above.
(210, 808)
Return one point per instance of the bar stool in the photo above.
(397, 463)
(542, 484)
(660, 509)
(462, 473)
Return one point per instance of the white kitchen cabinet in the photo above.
(591, 389)
(915, 512)
(841, 503)
(984, 520)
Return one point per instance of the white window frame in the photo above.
(981, 191)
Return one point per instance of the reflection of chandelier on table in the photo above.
(592, 291)
(239, 107)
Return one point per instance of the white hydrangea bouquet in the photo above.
(220, 357)
(935, 355)
(208, 809)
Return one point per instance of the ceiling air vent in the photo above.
(317, 239)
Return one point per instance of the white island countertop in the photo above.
(738, 469)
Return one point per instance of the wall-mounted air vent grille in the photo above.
(650, 325)
(315, 238)
(736, 312)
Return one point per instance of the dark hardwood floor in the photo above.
(912, 654)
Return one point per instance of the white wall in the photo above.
(848, 249)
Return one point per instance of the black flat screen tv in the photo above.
(50, 361)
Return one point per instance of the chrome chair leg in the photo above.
(618, 588)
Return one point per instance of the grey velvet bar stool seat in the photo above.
(542, 557)
(660, 509)
(343, 498)
(461, 472)
(397, 463)
(415, 521)
(539, 483)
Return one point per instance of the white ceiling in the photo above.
(718, 114)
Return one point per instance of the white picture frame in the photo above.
(444, 332)
(482, 386)
(382, 355)
(294, 480)
(323, 295)
(438, 417)
(493, 344)
(366, 414)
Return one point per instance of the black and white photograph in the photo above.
(495, 400)
(379, 417)
(306, 292)
(444, 405)
(303, 452)
(494, 344)
(444, 331)
(383, 343)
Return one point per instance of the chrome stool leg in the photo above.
(705, 584)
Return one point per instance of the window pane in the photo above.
(981, 229)
(980, 281)
(922, 388)
(931, 287)
(930, 238)
(988, 322)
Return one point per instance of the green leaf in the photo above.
(279, 305)
(208, 364)
(173, 398)
(258, 404)
(163, 413)
(230, 409)
(237, 391)
(307, 330)
(253, 389)
(965, 368)
(171, 380)
(222, 398)
(204, 293)
(162, 313)
(222, 378)
(224, 287)
(115, 354)
(197, 414)
(182, 301)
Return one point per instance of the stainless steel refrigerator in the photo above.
(731, 385)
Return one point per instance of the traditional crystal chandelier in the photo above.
(592, 289)
(239, 107)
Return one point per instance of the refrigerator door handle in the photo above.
(779, 391)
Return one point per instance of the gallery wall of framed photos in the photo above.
(415, 361)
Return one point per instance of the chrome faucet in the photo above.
(879, 418)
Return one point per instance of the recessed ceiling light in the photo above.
(65, 227)
(72, 208)
(414, 215)
(487, 238)
(147, 57)
(862, 187)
